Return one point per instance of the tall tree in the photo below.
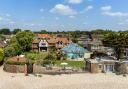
(24, 38)
(118, 41)
(43, 32)
(16, 30)
(5, 31)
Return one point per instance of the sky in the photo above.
(64, 15)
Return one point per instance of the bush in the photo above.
(1, 54)
(121, 68)
(15, 63)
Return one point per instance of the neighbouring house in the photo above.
(40, 45)
(62, 42)
(84, 39)
(101, 64)
(74, 51)
(43, 42)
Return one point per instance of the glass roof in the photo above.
(74, 48)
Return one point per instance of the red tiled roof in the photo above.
(44, 36)
(64, 40)
(35, 41)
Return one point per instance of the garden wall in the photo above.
(14, 68)
(39, 69)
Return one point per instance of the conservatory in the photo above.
(74, 51)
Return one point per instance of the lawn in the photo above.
(72, 63)
(36, 56)
(42, 55)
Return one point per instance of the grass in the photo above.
(72, 63)
(36, 56)
(42, 55)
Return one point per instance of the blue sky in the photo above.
(64, 15)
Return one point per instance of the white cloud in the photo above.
(63, 9)
(85, 23)
(1, 18)
(106, 8)
(12, 22)
(8, 15)
(41, 10)
(118, 14)
(75, 1)
(88, 8)
(57, 18)
(72, 16)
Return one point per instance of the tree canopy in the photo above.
(5, 31)
(116, 40)
(24, 39)
(16, 31)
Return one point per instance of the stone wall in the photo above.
(14, 68)
(39, 69)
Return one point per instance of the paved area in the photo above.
(73, 81)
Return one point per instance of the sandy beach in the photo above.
(70, 81)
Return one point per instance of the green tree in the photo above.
(24, 39)
(1, 54)
(5, 31)
(118, 41)
(43, 32)
(16, 31)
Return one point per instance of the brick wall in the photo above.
(40, 69)
(14, 68)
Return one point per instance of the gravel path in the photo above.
(73, 81)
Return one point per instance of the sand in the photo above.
(70, 81)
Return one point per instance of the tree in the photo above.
(9, 51)
(118, 41)
(16, 31)
(44, 32)
(5, 31)
(24, 39)
(1, 54)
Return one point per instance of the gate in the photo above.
(29, 68)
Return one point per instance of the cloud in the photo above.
(57, 18)
(88, 8)
(72, 16)
(8, 15)
(1, 18)
(63, 9)
(107, 10)
(41, 10)
(118, 14)
(75, 1)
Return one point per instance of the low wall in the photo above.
(14, 68)
(39, 69)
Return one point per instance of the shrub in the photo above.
(15, 63)
(1, 54)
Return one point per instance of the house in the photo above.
(101, 64)
(61, 42)
(40, 43)
(84, 39)
(43, 42)
(74, 51)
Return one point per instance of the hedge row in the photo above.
(15, 63)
